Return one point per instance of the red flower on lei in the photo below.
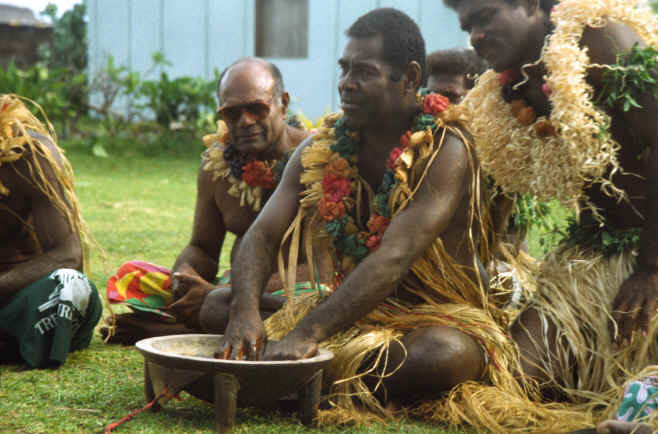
(377, 224)
(405, 140)
(435, 103)
(256, 174)
(373, 242)
(335, 188)
(330, 210)
(393, 157)
(509, 76)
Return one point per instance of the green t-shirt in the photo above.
(52, 317)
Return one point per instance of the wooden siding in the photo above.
(197, 36)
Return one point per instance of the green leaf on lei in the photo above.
(351, 245)
(633, 75)
(336, 228)
(423, 121)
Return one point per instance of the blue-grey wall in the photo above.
(197, 36)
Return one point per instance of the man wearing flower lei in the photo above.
(391, 188)
(48, 307)
(240, 168)
(569, 113)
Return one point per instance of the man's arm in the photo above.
(637, 299)
(208, 231)
(196, 266)
(253, 265)
(409, 235)
(59, 243)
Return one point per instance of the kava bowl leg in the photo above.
(149, 394)
(226, 401)
(309, 399)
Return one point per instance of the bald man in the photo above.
(238, 172)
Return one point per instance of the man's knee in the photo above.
(436, 359)
(447, 351)
(213, 316)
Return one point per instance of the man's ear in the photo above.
(414, 76)
(285, 100)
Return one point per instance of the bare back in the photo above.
(31, 225)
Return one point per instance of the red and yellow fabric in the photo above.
(142, 286)
(146, 287)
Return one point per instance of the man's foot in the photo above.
(619, 427)
(128, 328)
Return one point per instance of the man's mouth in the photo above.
(349, 105)
(248, 136)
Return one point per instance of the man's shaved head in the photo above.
(272, 68)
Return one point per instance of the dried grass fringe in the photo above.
(362, 351)
(559, 167)
(16, 123)
(573, 289)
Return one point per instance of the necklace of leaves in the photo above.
(337, 186)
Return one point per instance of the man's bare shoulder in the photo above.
(43, 158)
(212, 179)
(605, 44)
(457, 145)
(297, 135)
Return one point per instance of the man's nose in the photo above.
(477, 37)
(346, 82)
(246, 119)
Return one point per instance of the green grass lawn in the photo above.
(137, 208)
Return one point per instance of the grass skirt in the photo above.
(362, 351)
(574, 289)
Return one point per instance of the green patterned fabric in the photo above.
(640, 400)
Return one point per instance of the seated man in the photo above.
(48, 308)
(452, 72)
(570, 113)
(241, 167)
(391, 187)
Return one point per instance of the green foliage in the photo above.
(632, 76)
(69, 48)
(127, 112)
(178, 99)
(51, 88)
(151, 115)
(654, 5)
(605, 239)
(532, 215)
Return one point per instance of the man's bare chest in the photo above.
(236, 218)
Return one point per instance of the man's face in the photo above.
(254, 118)
(448, 84)
(368, 95)
(498, 30)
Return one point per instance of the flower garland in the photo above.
(338, 184)
(560, 157)
(251, 180)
